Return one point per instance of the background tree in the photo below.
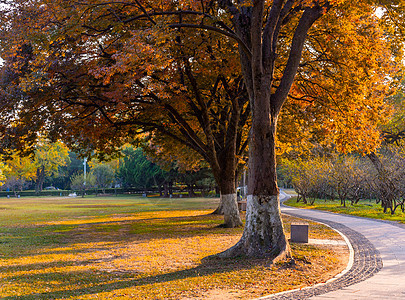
(105, 176)
(137, 171)
(48, 158)
(81, 183)
(105, 172)
(3, 171)
(62, 178)
(19, 170)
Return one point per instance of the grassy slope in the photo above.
(365, 208)
(139, 248)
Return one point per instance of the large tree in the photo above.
(101, 88)
(126, 45)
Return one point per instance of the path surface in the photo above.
(388, 239)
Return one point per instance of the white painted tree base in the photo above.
(231, 212)
(263, 235)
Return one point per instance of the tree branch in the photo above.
(216, 29)
(310, 15)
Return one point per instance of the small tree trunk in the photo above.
(170, 188)
(166, 190)
(387, 188)
(190, 190)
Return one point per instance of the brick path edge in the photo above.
(366, 262)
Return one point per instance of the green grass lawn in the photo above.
(366, 208)
(131, 247)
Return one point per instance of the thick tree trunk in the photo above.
(263, 235)
(228, 206)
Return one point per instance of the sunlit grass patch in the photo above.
(84, 253)
(365, 208)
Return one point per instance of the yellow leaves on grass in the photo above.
(147, 255)
(123, 218)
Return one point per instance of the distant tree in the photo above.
(3, 170)
(135, 170)
(18, 171)
(48, 157)
(105, 176)
(81, 184)
(201, 179)
(66, 172)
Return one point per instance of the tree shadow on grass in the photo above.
(209, 266)
(46, 237)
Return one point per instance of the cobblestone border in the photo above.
(367, 262)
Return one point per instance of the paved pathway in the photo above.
(388, 239)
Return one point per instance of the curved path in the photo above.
(378, 270)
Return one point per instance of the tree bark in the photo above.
(40, 180)
(228, 206)
(166, 190)
(263, 235)
(387, 188)
(229, 203)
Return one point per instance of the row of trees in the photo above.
(349, 178)
(46, 159)
(54, 165)
(207, 76)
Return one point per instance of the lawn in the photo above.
(364, 208)
(131, 247)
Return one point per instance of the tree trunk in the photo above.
(220, 209)
(225, 174)
(387, 188)
(170, 189)
(165, 190)
(231, 212)
(40, 180)
(263, 235)
(190, 190)
(228, 205)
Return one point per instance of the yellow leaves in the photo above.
(4, 169)
(21, 168)
(344, 96)
(51, 155)
(131, 255)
